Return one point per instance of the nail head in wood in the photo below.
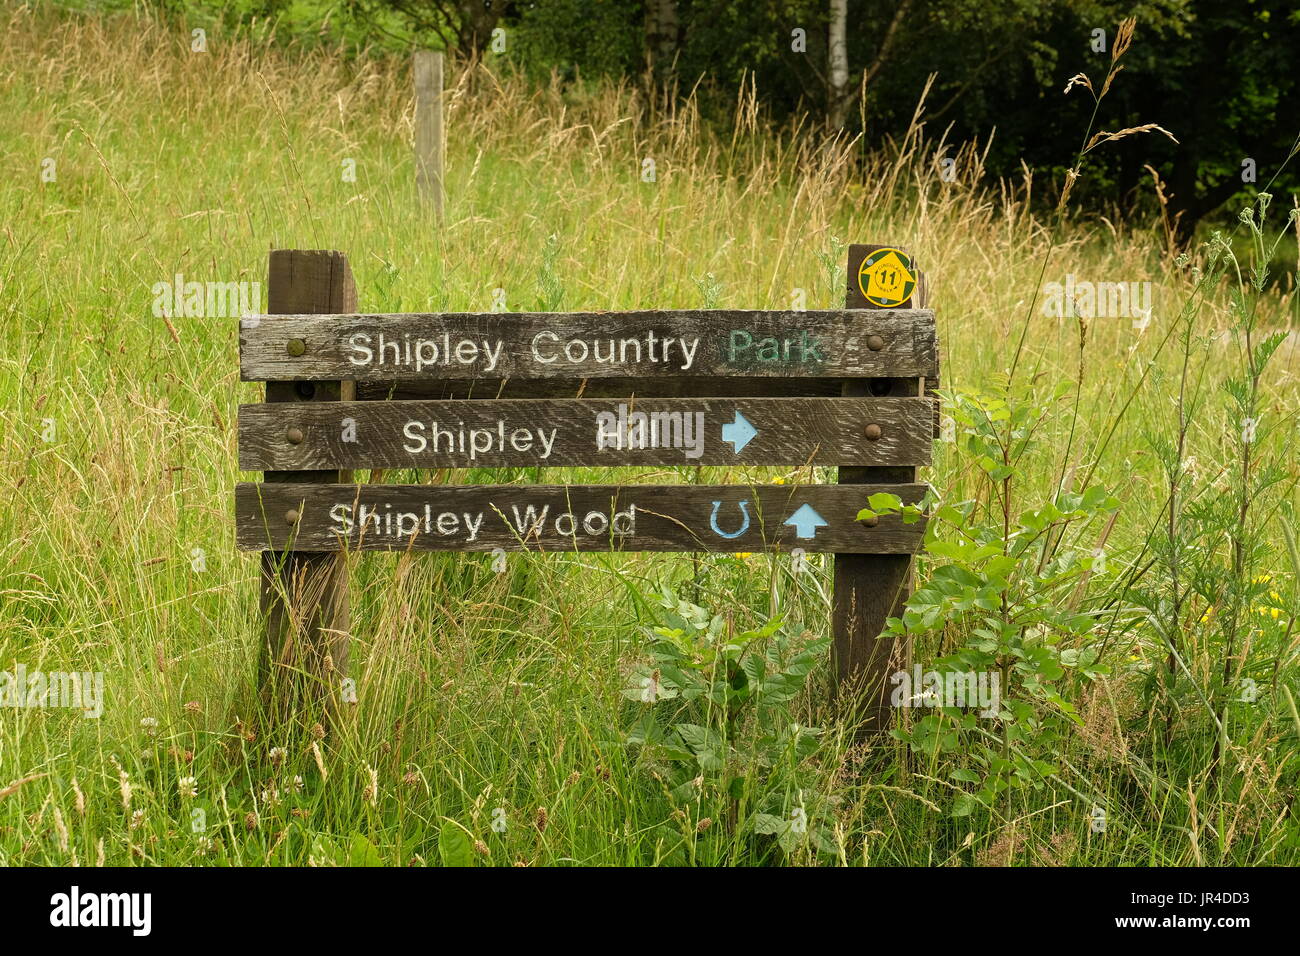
(875, 343)
(294, 434)
(872, 431)
(296, 347)
(291, 516)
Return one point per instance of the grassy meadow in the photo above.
(1152, 716)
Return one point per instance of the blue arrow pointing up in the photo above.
(806, 521)
(739, 432)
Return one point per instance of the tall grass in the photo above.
(488, 696)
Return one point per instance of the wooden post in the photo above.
(304, 595)
(869, 588)
(428, 127)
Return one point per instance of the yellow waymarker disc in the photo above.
(886, 278)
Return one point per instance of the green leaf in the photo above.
(325, 852)
(361, 852)
(884, 502)
(454, 848)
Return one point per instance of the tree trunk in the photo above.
(661, 34)
(477, 21)
(838, 55)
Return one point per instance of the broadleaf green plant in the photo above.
(716, 722)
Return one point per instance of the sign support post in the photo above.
(870, 588)
(304, 594)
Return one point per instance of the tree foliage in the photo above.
(1219, 76)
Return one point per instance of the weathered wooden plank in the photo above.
(736, 518)
(558, 433)
(401, 348)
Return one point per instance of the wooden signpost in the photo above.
(617, 390)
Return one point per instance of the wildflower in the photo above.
(541, 819)
(271, 796)
(277, 756)
(124, 783)
(295, 785)
(188, 786)
(1209, 612)
(372, 789)
(778, 480)
(137, 819)
(743, 555)
(193, 707)
(149, 725)
(61, 829)
(320, 761)
(650, 688)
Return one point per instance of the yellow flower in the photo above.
(1209, 612)
(1263, 579)
(743, 554)
(778, 480)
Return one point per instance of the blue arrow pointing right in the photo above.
(740, 432)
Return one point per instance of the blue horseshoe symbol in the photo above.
(713, 520)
